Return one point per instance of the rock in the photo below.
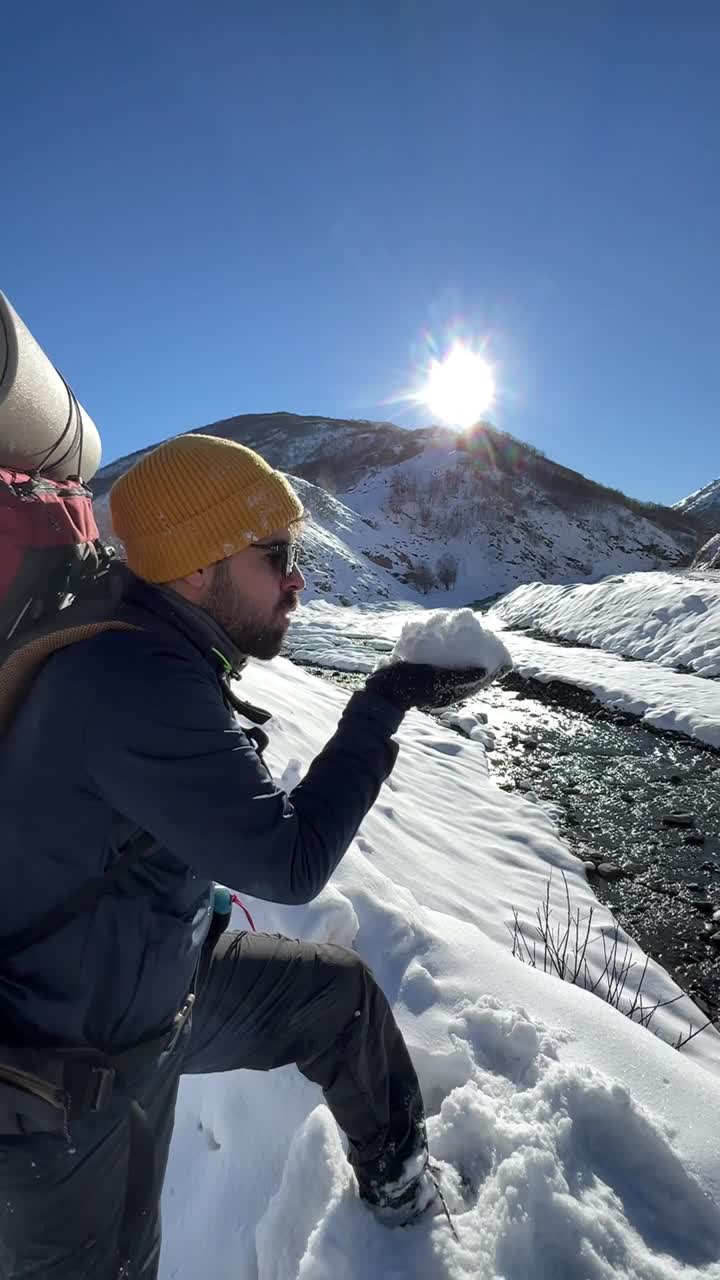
(695, 838)
(715, 938)
(702, 905)
(676, 778)
(590, 867)
(709, 866)
(627, 797)
(609, 871)
(524, 785)
(693, 884)
(679, 820)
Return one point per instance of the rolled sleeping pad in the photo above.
(42, 426)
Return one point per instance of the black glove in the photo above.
(417, 684)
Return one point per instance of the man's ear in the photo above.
(193, 585)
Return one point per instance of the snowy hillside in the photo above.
(708, 557)
(587, 1146)
(670, 619)
(431, 514)
(704, 502)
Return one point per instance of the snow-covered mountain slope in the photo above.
(445, 516)
(334, 567)
(708, 557)
(704, 502)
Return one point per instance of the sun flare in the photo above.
(460, 388)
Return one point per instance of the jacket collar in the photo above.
(193, 622)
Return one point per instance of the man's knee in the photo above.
(351, 978)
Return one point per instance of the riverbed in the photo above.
(641, 808)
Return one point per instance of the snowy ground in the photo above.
(352, 639)
(666, 618)
(665, 699)
(588, 1145)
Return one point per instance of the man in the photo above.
(134, 730)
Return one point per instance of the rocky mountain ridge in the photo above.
(704, 502)
(447, 516)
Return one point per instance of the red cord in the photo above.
(234, 898)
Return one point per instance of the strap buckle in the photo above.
(181, 1019)
(88, 1086)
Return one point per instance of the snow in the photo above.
(664, 699)
(705, 501)
(352, 640)
(669, 618)
(588, 1146)
(708, 557)
(375, 521)
(450, 638)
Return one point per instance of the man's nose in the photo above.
(295, 580)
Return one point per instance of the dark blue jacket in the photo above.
(133, 730)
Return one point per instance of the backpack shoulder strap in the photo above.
(82, 900)
(19, 670)
(17, 673)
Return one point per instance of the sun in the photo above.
(460, 388)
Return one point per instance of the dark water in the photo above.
(613, 781)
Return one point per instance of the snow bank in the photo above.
(450, 638)
(587, 1145)
(662, 698)
(668, 618)
(353, 639)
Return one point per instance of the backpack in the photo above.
(55, 590)
(50, 549)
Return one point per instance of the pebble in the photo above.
(695, 838)
(679, 820)
(609, 871)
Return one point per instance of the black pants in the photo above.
(266, 1001)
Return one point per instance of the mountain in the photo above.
(708, 557)
(704, 502)
(455, 517)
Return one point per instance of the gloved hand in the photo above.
(417, 684)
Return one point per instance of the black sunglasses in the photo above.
(283, 556)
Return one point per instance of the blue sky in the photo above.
(228, 208)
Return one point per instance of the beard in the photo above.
(253, 636)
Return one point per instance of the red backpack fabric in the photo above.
(49, 544)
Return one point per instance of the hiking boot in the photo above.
(419, 1194)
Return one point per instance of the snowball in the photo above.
(450, 638)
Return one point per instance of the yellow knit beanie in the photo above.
(195, 500)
